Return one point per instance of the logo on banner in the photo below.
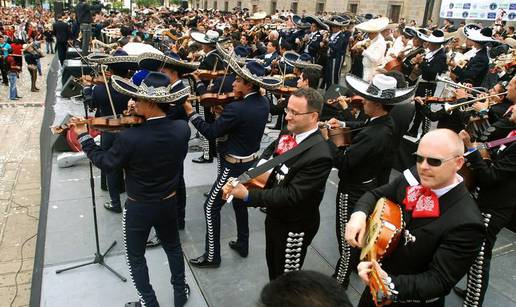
(465, 14)
(467, 6)
(512, 16)
(493, 6)
(512, 6)
(449, 14)
(491, 15)
(451, 6)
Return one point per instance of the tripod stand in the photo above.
(99, 257)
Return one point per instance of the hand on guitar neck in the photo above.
(378, 281)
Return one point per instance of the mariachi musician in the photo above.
(337, 44)
(239, 128)
(430, 65)
(315, 37)
(367, 162)
(443, 227)
(476, 68)
(104, 99)
(171, 65)
(374, 47)
(495, 180)
(211, 62)
(417, 48)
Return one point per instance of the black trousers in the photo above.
(286, 244)
(214, 204)
(332, 71)
(347, 196)
(209, 147)
(61, 51)
(138, 219)
(181, 201)
(114, 180)
(478, 274)
(424, 89)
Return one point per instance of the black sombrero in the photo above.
(154, 61)
(381, 89)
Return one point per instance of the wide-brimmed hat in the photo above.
(119, 60)
(337, 21)
(298, 21)
(373, 25)
(252, 71)
(435, 37)
(210, 37)
(301, 61)
(318, 21)
(410, 32)
(154, 87)
(381, 89)
(480, 35)
(257, 16)
(154, 61)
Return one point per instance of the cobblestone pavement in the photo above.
(20, 123)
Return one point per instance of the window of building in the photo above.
(226, 6)
(239, 4)
(353, 8)
(205, 4)
(255, 8)
(319, 7)
(293, 7)
(274, 5)
(214, 5)
(394, 12)
(198, 4)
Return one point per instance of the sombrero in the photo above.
(435, 37)
(381, 89)
(373, 25)
(300, 61)
(257, 16)
(298, 21)
(154, 87)
(477, 34)
(154, 61)
(337, 21)
(210, 37)
(314, 19)
(119, 60)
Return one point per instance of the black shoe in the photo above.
(201, 159)
(153, 242)
(460, 292)
(202, 262)
(206, 194)
(113, 208)
(133, 304)
(412, 133)
(263, 209)
(181, 225)
(19, 97)
(241, 251)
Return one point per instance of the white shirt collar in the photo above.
(176, 83)
(440, 192)
(251, 93)
(155, 117)
(212, 51)
(335, 35)
(431, 54)
(302, 136)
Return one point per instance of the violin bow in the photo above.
(225, 74)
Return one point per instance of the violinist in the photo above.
(409, 60)
(212, 62)
(119, 64)
(374, 47)
(496, 180)
(367, 162)
(478, 65)
(171, 65)
(239, 128)
(315, 37)
(337, 45)
(430, 65)
(270, 55)
(152, 156)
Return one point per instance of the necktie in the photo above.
(286, 143)
(423, 202)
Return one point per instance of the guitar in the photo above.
(383, 232)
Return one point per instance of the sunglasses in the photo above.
(435, 162)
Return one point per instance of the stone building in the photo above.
(395, 9)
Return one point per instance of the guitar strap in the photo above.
(412, 181)
(304, 146)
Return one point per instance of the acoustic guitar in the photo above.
(383, 232)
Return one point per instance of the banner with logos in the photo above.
(479, 9)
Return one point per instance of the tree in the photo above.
(147, 3)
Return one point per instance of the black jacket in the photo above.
(152, 156)
(62, 31)
(100, 100)
(296, 197)
(436, 65)
(337, 47)
(444, 249)
(476, 69)
(370, 154)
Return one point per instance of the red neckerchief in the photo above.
(511, 134)
(286, 143)
(423, 202)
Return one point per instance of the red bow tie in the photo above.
(286, 143)
(511, 134)
(422, 201)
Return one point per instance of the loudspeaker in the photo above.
(73, 53)
(74, 68)
(58, 9)
(58, 142)
(71, 88)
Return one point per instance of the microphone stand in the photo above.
(98, 257)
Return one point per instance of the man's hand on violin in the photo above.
(419, 100)
(343, 102)
(334, 123)
(77, 125)
(188, 107)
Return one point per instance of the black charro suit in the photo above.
(363, 166)
(426, 269)
(292, 197)
(496, 182)
(476, 69)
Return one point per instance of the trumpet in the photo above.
(450, 107)
(458, 85)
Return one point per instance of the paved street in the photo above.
(20, 123)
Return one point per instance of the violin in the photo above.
(285, 90)
(431, 99)
(353, 100)
(105, 123)
(214, 99)
(205, 74)
(95, 80)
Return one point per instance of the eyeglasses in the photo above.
(435, 162)
(294, 113)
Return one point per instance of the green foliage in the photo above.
(117, 5)
(148, 3)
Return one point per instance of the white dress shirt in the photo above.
(373, 56)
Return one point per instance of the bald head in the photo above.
(448, 142)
